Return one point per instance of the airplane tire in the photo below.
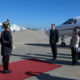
(63, 44)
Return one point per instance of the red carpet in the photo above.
(27, 68)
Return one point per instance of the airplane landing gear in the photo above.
(63, 44)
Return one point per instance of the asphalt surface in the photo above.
(35, 44)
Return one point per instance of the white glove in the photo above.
(13, 47)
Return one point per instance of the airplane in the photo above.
(66, 28)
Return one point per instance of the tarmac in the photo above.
(35, 44)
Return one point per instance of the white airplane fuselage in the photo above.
(67, 27)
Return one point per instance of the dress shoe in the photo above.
(54, 59)
(7, 71)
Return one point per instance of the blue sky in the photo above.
(38, 13)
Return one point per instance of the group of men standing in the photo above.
(74, 43)
(7, 44)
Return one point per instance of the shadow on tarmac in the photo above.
(36, 44)
(46, 45)
(46, 58)
(45, 76)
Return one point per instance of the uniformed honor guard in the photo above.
(6, 45)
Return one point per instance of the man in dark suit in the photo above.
(54, 38)
(6, 46)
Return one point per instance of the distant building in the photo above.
(14, 27)
(23, 28)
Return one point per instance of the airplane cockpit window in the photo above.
(75, 21)
(70, 21)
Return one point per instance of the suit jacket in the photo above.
(54, 36)
(6, 43)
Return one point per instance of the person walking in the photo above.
(54, 38)
(6, 46)
(74, 44)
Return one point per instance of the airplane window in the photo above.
(75, 21)
(70, 21)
